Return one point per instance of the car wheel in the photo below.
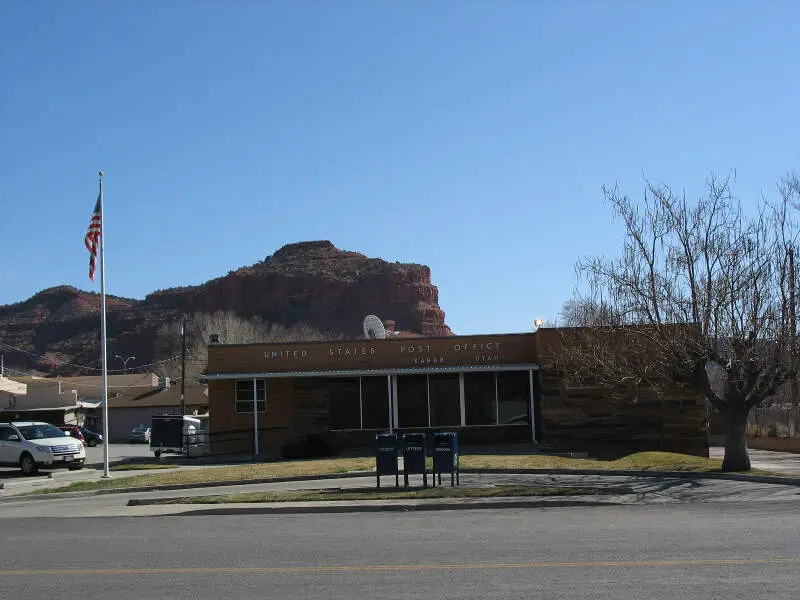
(28, 465)
(92, 443)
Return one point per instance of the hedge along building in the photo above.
(489, 388)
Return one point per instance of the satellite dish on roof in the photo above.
(373, 328)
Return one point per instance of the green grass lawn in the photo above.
(649, 461)
(336, 494)
(641, 461)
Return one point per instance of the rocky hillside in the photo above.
(308, 282)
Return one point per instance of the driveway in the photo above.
(117, 452)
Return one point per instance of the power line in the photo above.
(68, 364)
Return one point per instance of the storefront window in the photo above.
(375, 402)
(513, 397)
(479, 398)
(344, 404)
(445, 399)
(412, 401)
(244, 395)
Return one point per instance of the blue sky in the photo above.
(471, 136)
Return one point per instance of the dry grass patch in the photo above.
(641, 461)
(233, 473)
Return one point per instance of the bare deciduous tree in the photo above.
(701, 296)
(585, 312)
(231, 329)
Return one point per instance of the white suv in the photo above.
(33, 444)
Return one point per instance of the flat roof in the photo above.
(370, 340)
(373, 372)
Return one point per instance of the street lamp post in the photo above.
(125, 362)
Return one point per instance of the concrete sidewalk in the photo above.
(766, 460)
(617, 490)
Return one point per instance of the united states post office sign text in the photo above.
(415, 353)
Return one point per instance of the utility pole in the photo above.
(183, 367)
(792, 324)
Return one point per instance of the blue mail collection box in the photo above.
(386, 453)
(414, 457)
(445, 456)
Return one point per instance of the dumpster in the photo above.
(386, 452)
(414, 456)
(445, 457)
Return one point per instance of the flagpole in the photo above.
(103, 355)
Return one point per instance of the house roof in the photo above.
(86, 384)
(12, 387)
(35, 410)
(140, 396)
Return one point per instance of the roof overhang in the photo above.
(421, 370)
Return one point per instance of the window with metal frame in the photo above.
(412, 401)
(344, 403)
(375, 402)
(445, 399)
(480, 398)
(513, 397)
(244, 396)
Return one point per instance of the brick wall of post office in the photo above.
(589, 418)
(233, 433)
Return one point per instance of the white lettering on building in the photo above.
(351, 352)
(285, 354)
(415, 349)
(478, 347)
(427, 360)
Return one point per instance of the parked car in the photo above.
(139, 434)
(92, 437)
(73, 431)
(30, 445)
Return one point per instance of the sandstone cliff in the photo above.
(307, 282)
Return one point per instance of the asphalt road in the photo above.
(699, 551)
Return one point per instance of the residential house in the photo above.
(139, 404)
(43, 399)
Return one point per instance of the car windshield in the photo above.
(40, 432)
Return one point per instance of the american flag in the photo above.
(93, 236)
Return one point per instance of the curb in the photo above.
(792, 481)
(331, 507)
